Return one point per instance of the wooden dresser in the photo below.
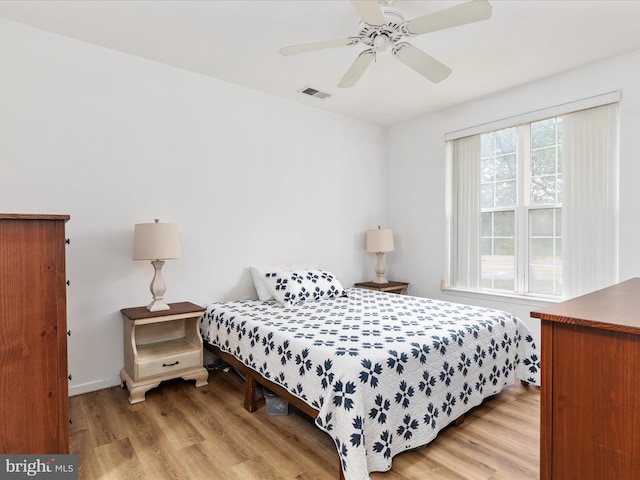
(34, 413)
(590, 400)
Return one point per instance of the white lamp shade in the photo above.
(156, 241)
(380, 240)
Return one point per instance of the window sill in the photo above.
(503, 297)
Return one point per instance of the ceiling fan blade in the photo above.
(309, 47)
(470, 12)
(369, 11)
(356, 69)
(422, 63)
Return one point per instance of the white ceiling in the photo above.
(238, 40)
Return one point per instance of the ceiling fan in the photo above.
(382, 27)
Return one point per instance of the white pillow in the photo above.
(257, 274)
(291, 288)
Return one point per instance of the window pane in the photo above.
(486, 246)
(546, 161)
(545, 190)
(505, 141)
(487, 170)
(486, 145)
(487, 195)
(503, 247)
(541, 250)
(498, 168)
(506, 194)
(543, 133)
(545, 279)
(541, 222)
(503, 224)
(545, 251)
(497, 249)
(505, 282)
(505, 167)
(543, 161)
(498, 272)
(486, 224)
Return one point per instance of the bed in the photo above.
(381, 373)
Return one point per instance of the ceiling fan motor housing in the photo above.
(380, 36)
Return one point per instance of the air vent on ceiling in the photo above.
(314, 92)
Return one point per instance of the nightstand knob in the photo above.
(67, 241)
(68, 333)
(70, 377)
(171, 364)
(68, 282)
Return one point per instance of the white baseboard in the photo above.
(93, 386)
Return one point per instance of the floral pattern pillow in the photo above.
(291, 288)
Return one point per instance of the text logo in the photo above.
(42, 467)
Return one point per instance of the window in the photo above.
(520, 203)
(506, 213)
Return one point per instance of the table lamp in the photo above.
(156, 242)
(379, 242)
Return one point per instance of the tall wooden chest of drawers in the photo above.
(34, 402)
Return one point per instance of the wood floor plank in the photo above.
(176, 424)
(182, 432)
(118, 460)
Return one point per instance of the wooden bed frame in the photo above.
(252, 378)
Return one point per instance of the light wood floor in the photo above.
(183, 432)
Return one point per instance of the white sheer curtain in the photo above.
(590, 200)
(463, 213)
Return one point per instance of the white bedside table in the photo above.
(160, 346)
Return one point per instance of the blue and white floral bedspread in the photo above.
(386, 372)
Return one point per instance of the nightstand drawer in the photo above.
(160, 366)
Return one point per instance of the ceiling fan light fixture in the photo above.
(380, 43)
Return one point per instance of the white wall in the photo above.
(417, 180)
(114, 140)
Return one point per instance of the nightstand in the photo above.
(391, 287)
(160, 346)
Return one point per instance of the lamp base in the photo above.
(158, 288)
(380, 280)
(157, 305)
